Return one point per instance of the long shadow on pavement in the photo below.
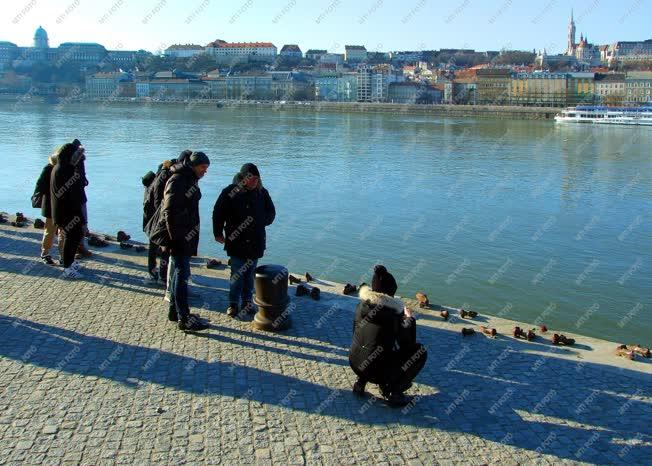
(580, 423)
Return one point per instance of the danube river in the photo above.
(523, 219)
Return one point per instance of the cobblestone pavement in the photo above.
(91, 372)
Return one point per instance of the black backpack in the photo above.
(156, 230)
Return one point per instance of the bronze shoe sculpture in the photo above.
(422, 298)
(302, 290)
(562, 340)
(122, 237)
(625, 352)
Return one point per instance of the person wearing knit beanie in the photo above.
(383, 281)
(384, 349)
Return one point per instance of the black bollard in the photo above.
(271, 283)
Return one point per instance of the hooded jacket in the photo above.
(155, 192)
(43, 187)
(180, 210)
(241, 215)
(380, 331)
(67, 189)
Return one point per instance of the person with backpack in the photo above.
(155, 199)
(175, 227)
(67, 204)
(41, 199)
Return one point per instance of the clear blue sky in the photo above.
(378, 24)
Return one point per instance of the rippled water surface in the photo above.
(517, 218)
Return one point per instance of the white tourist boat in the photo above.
(606, 115)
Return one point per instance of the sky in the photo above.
(380, 25)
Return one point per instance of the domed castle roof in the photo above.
(41, 38)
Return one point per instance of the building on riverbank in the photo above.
(241, 52)
(538, 89)
(493, 86)
(638, 86)
(184, 51)
(610, 89)
(76, 54)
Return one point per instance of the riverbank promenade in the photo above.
(92, 372)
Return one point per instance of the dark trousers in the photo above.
(179, 290)
(72, 235)
(402, 368)
(241, 283)
(154, 252)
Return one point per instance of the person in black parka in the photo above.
(180, 218)
(384, 349)
(43, 188)
(153, 200)
(66, 201)
(82, 250)
(241, 213)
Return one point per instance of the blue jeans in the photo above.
(179, 288)
(241, 284)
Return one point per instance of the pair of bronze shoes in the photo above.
(314, 292)
(122, 237)
(631, 351)
(490, 332)
(520, 333)
(422, 299)
(468, 314)
(562, 340)
(295, 280)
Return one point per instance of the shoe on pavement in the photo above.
(173, 317)
(358, 388)
(192, 324)
(76, 265)
(47, 259)
(71, 273)
(249, 308)
(232, 310)
(398, 399)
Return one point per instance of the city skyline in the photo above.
(379, 25)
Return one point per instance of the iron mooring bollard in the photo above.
(271, 283)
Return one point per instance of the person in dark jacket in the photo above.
(154, 249)
(82, 250)
(180, 216)
(66, 200)
(43, 188)
(384, 348)
(155, 199)
(241, 213)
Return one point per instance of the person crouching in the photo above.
(384, 350)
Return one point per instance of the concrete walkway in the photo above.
(91, 372)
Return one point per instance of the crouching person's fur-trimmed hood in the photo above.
(379, 299)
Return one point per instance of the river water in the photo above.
(523, 219)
